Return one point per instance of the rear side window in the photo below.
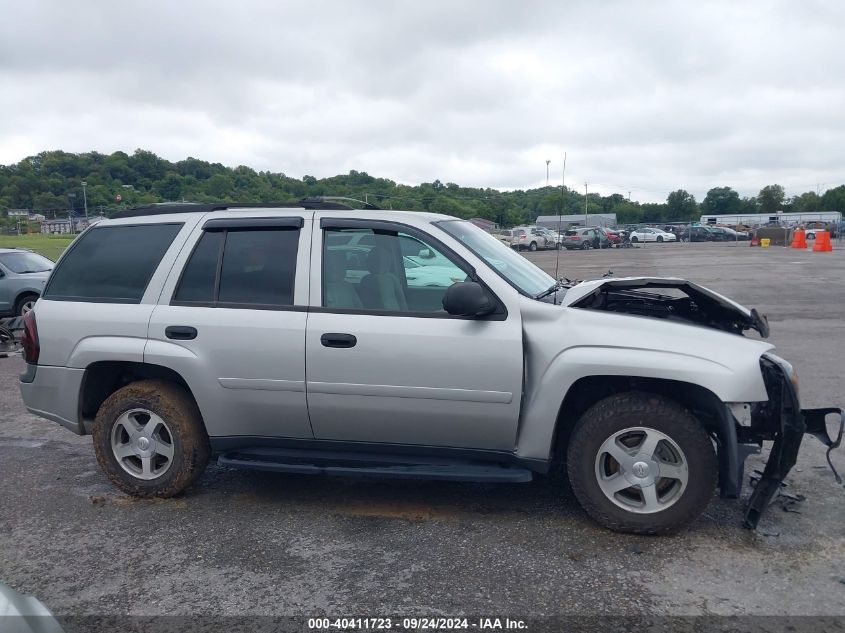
(111, 264)
(257, 269)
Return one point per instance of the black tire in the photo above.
(638, 409)
(659, 238)
(635, 239)
(188, 435)
(24, 301)
(533, 246)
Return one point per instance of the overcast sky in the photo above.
(643, 96)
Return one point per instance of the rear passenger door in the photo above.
(231, 321)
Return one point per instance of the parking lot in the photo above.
(261, 543)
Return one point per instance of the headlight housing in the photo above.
(788, 368)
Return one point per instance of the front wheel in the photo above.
(659, 238)
(532, 247)
(150, 440)
(641, 463)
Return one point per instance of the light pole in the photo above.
(85, 200)
(70, 198)
(547, 171)
(586, 211)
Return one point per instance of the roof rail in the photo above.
(163, 208)
(366, 205)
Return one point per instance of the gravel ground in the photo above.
(267, 544)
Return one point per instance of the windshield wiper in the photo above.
(553, 288)
(26, 272)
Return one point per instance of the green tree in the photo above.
(721, 201)
(834, 199)
(771, 198)
(680, 205)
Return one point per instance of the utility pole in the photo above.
(547, 171)
(85, 200)
(629, 196)
(586, 211)
(70, 197)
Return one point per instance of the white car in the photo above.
(649, 234)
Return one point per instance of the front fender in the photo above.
(741, 382)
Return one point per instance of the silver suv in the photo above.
(291, 338)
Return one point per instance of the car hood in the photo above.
(684, 301)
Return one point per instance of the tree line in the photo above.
(50, 183)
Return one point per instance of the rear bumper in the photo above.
(782, 420)
(53, 393)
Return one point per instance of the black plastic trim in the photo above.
(192, 207)
(225, 443)
(246, 224)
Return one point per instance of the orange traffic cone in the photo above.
(754, 241)
(799, 239)
(823, 244)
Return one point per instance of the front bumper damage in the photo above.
(782, 420)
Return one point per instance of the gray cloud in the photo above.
(643, 96)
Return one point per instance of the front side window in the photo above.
(384, 270)
(111, 263)
(241, 268)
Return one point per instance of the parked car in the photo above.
(720, 234)
(612, 235)
(811, 228)
(521, 238)
(696, 234)
(650, 234)
(734, 235)
(551, 239)
(22, 278)
(582, 238)
(172, 334)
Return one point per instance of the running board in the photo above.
(307, 462)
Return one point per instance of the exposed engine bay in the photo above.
(685, 302)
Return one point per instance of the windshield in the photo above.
(514, 268)
(24, 262)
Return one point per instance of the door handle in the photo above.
(180, 332)
(332, 339)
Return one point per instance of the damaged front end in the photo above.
(667, 298)
(781, 420)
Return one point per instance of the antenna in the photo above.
(560, 220)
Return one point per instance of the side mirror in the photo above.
(425, 253)
(468, 298)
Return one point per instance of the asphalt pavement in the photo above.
(269, 544)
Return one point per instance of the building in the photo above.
(64, 225)
(565, 221)
(760, 219)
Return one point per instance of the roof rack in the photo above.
(320, 203)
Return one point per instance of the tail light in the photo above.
(29, 339)
(575, 237)
(522, 237)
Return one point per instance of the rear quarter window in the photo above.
(111, 264)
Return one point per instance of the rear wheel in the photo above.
(641, 463)
(150, 440)
(25, 303)
(635, 239)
